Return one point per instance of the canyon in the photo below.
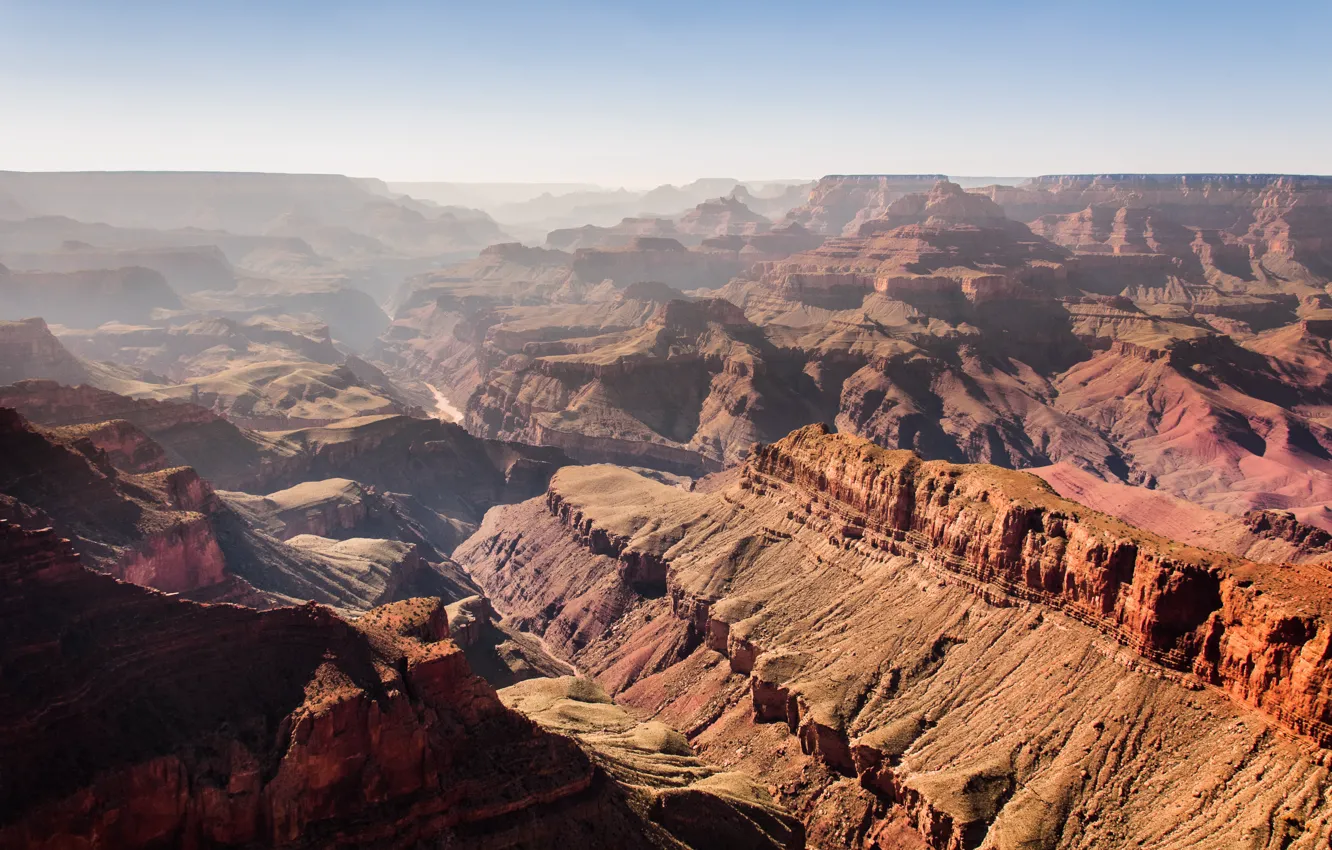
(885, 512)
(1133, 336)
(286, 728)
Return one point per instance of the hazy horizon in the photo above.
(640, 95)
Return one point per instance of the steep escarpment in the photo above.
(921, 654)
(1261, 634)
(187, 269)
(152, 529)
(132, 719)
(28, 349)
(85, 298)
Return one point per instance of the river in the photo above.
(443, 409)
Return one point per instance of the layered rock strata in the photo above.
(960, 655)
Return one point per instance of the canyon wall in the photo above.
(129, 718)
(922, 654)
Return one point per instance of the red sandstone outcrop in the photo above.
(1308, 540)
(151, 529)
(1186, 608)
(126, 447)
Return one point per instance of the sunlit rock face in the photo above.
(925, 654)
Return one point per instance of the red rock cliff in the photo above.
(1262, 633)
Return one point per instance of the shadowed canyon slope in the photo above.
(288, 727)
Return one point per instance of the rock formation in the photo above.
(85, 298)
(689, 390)
(944, 326)
(840, 203)
(956, 654)
(189, 435)
(288, 727)
(187, 269)
(723, 217)
(151, 529)
(28, 349)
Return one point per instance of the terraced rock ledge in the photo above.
(936, 655)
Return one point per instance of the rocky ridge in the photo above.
(1038, 646)
(288, 727)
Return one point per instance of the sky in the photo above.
(638, 94)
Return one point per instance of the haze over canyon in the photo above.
(870, 511)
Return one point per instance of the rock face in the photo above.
(723, 217)
(28, 349)
(151, 529)
(959, 655)
(126, 447)
(281, 728)
(189, 435)
(85, 298)
(690, 389)
(840, 203)
(453, 327)
(187, 269)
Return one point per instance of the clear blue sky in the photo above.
(643, 93)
